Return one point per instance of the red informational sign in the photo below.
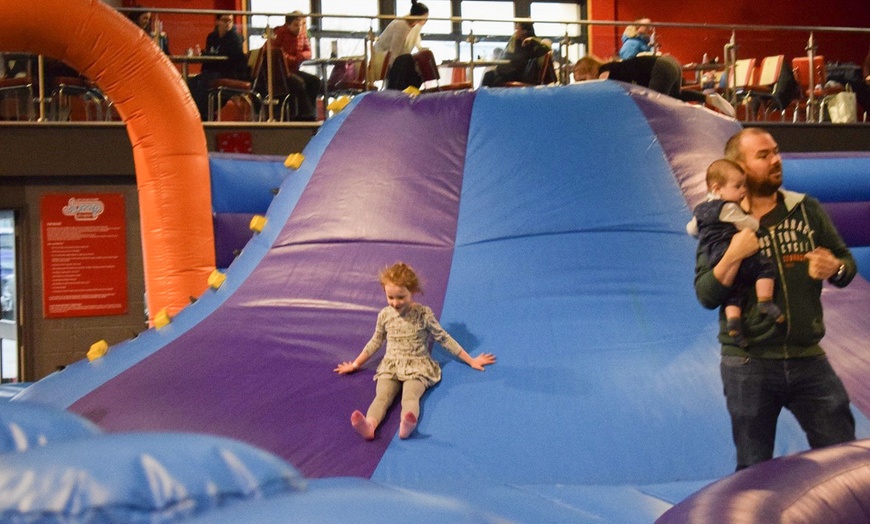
(84, 254)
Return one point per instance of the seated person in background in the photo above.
(867, 67)
(864, 97)
(293, 42)
(659, 73)
(636, 39)
(154, 30)
(400, 37)
(521, 49)
(223, 41)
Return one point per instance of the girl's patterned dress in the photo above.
(407, 356)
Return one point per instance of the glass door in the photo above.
(9, 364)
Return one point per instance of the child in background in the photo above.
(407, 365)
(718, 219)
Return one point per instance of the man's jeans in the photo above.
(756, 390)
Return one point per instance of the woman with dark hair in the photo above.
(154, 29)
(400, 37)
(521, 49)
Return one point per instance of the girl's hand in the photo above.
(484, 359)
(346, 368)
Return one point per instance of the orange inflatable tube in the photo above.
(169, 148)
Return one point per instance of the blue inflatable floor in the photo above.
(549, 228)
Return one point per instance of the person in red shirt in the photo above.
(292, 40)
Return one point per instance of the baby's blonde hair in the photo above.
(719, 170)
(589, 62)
(401, 274)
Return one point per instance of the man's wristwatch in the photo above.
(840, 272)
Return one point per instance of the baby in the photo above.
(718, 219)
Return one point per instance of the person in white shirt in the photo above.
(395, 44)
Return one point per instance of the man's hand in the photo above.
(743, 244)
(822, 263)
(758, 327)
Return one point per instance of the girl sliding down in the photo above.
(407, 365)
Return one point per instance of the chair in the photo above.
(428, 69)
(344, 72)
(278, 92)
(16, 93)
(733, 84)
(426, 66)
(739, 76)
(366, 77)
(459, 75)
(801, 69)
(347, 78)
(545, 74)
(72, 94)
(221, 89)
(762, 94)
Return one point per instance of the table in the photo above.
(186, 60)
(702, 68)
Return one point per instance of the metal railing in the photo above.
(568, 46)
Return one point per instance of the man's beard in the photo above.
(767, 186)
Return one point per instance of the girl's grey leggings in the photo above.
(387, 390)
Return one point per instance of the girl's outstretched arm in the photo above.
(448, 343)
(373, 345)
(484, 359)
(349, 367)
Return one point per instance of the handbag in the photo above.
(842, 107)
(341, 72)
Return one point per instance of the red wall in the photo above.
(689, 45)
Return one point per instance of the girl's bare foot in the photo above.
(362, 425)
(407, 425)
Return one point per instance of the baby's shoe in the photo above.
(736, 332)
(768, 308)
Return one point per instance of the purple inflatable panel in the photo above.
(830, 485)
(231, 232)
(685, 140)
(255, 369)
(852, 220)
